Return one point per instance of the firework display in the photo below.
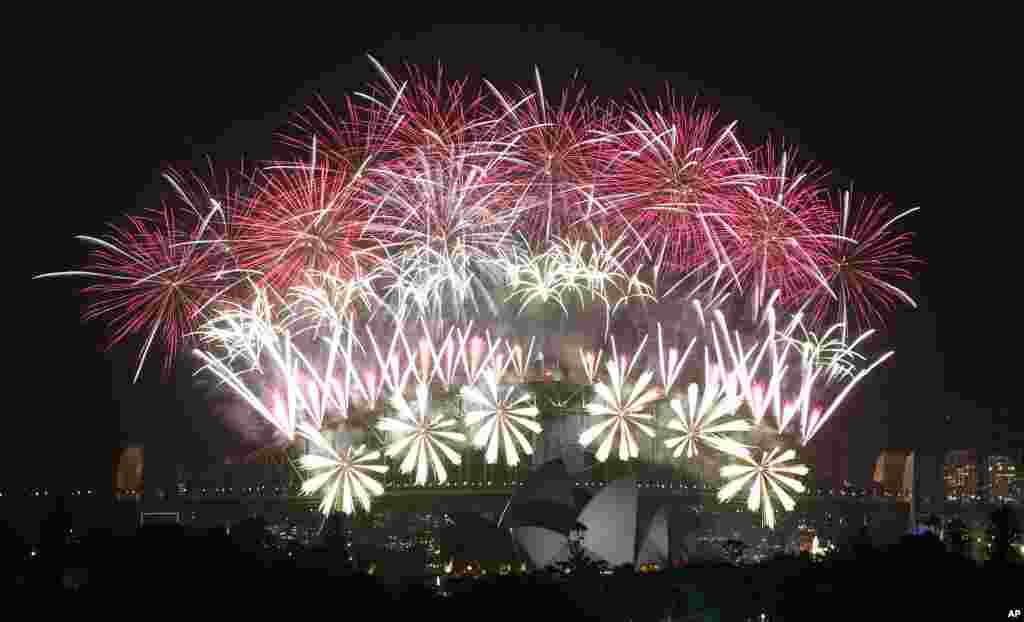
(429, 256)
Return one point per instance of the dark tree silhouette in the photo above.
(1004, 529)
(957, 536)
(733, 550)
(579, 564)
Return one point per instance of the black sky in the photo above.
(903, 111)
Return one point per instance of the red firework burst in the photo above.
(675, 177)
(354, 137)
(304, 218)
(156, 275)
(783, 227)
(864, 261)
(432, 113)
(553, 156)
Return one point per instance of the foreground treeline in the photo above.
(174, 568)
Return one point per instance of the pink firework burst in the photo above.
(430, 113)
(354, 137)
(155, 277)
(864, 261)
(553, 155)
(675, 177)
(783, 227)
(305, 217)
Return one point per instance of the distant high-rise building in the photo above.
(891, 472)
(961, 475)
(1001, 475)
(915, 477)
(128, 470)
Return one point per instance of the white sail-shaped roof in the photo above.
(654, 541)
(610, 518)
(542, 546)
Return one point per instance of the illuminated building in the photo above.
(1002, 475)
(891, 472)
(128, 470)
(912, 476)
(808, 536)
(960, 475)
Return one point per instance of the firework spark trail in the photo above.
(866, 256)
(389, 362)
(500, 415)
(699, 419)
(236, 328)
(427, 363)
(330, 300)
(739, 359)
(436, 116)
(330, 305)
(670, 363)
(591, 271)
(271, 355)
(762, 369)
(442, 225)
(624, 411)
(305, 217)
(811, 422)
(281, 413)
(591, 364)
(155, 279)
(538, 277)
(422, 435)
(518, 360)
(354, 141)
(838, 358)
(768, 477)
(782, 229)
(345, 475)
(436, 358)
(478, 355)
(670, 172)
(554, 156)
(460, 355)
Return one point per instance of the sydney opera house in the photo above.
(545, 512)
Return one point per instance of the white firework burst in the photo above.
(239, 331)
(623, 410)
(348, 475)
(701, 419)
(768, 477)
(540, 278)
(330, 300)
(500, 414)
(422, 436)
(443, 224)
(828, 351)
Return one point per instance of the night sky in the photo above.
(905, 115)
